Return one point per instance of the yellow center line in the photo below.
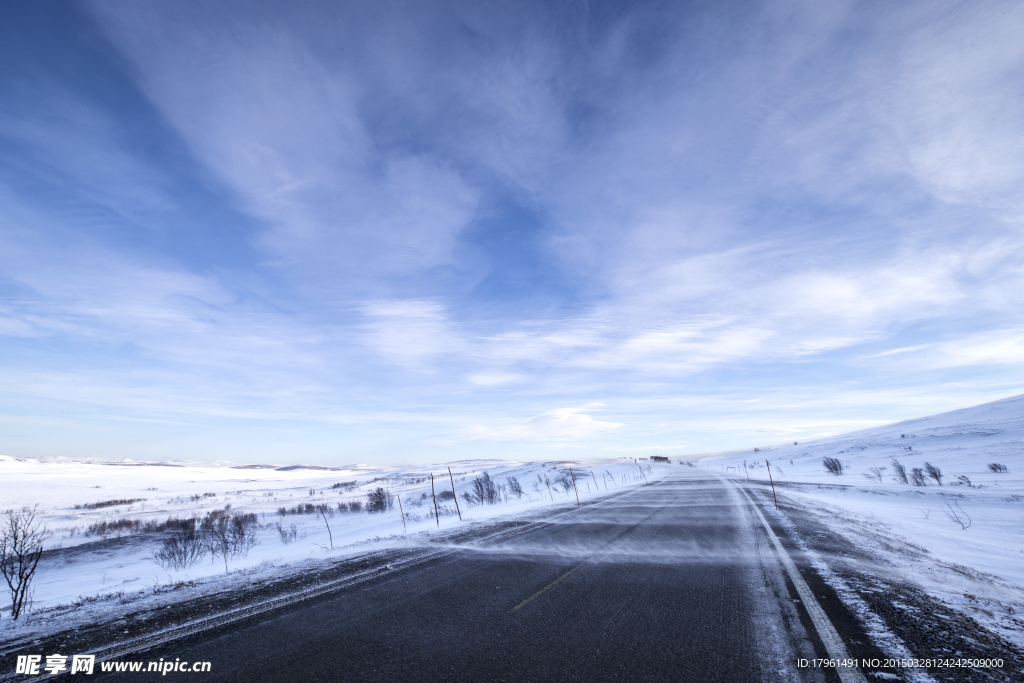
(547, 587)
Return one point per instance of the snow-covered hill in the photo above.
(961, 535)
(961, 442)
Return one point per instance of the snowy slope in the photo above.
(978, 567)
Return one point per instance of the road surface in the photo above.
(668, 582)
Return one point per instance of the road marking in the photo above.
(829, 637)
(595, 554)
(547, 587)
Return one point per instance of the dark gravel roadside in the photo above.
(928, 628)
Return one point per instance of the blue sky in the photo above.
(406, 231)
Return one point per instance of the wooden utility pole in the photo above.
(595, 481)
(402, 512)
(437, 515)
(773, 484)
(454, 495)
(329, 534)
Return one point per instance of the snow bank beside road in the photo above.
(962, 540)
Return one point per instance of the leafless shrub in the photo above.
(833, 466)
(446, 495)
(109, 503)
(484, 490)
(379, 500)
(355, 506)
(917, 477)
(997, 468)
(515, 487)
(307, 509)
(963, 480)
(933, 472)
(901, 472)
(874, 474)
(565, 481)
(957, 516)
(21, 546)
(287, 534)
(114, 526)
(182, 548)
(132, 526)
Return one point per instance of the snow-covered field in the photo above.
(976, 566)
(76, 499)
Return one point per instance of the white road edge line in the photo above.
(829, 637)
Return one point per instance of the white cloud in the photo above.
(409, 333)
(959, 107)
(1000, 347)
(283, 129)
(560, 424)
(494, 379)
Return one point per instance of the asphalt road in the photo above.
(667, 582)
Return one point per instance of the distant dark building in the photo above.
(659, 458)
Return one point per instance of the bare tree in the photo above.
(833, 465)
(21, 547)
(183, 547)
(900, 470)
(229, 535)
(216, 534)
(243, 533)
(933, 472)
(515, 487)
